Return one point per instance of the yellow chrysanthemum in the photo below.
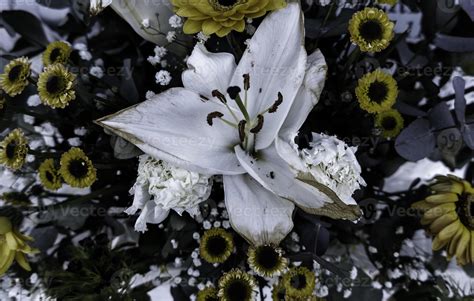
(220, 17)
(76, 168)
(390, 2)
(371, 29)
(207, 294)
(449, 216)
(236, 285)
(390, 122)
(377, 91)
(267, 261)
(299, 282)
(56, 86)
(56, 53)
(216, 245)
(278, 292)
(14, 78)
(13, 246)
(13, 150)
(49, 175)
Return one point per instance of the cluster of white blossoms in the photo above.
(161, 187)
(160, 52)
(333, 163)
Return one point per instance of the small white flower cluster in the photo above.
(160, 52)
(163, 77)
(161, 187)
(332, 163)
(176, 21)
(83, 51)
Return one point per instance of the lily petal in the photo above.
(308, 95)
(172, 126)
(258, 215)
(208, 71)
(276, 61)
(151, 214)
(135, 12)
(273, 173)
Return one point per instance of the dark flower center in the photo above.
(371, 31)
(378, 92)
(465, 209)
(49, 176)
(267, 257)
(216, 245)
(78, 168)
(238, 290)
(55, 54)
(11, 150)
(227, 2)
(389, 123)
(54, 84)
(298, 281)
(14, 73)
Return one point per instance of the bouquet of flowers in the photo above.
(236, 150)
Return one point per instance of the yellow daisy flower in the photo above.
(13, 150)
(216, 245)
(377, 91)
(56, 53)
(49, 175)
(236, 285)
(76, 168)
(13, 246)
(14, 78)
(220, 17)
(207, 294)
(390, 122)
(371, 29)
(299, 282)
(449, 216)
(56, 86)
(267, 261)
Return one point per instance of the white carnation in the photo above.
(161, 187)
(333, 163)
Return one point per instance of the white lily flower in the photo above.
(155, 14)
(243, 134)
(161, 187)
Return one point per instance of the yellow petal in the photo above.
(438, 211)
(448, 232)
(192, 27)
(422, 205)
(455, 240)
(442, 222)
(472, 248)
(7, 260)
(441, 198)
(12, 241)
(20, 258)
(463, 243)
(210, 27)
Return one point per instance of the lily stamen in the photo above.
(219, 115)
(241, 127)
(256, 129)
(234, 94)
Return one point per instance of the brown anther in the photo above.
(277, 103)
(242, 124)
(211, 116)
(219, 95)
(259, 125)
(246, 82)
